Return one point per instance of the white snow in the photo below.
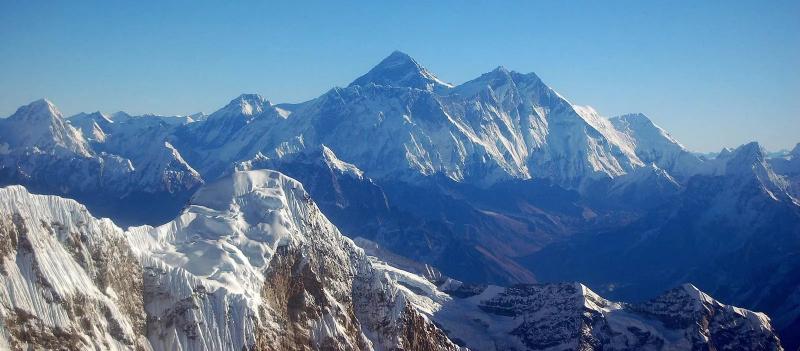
(395, 123)
(342, 167)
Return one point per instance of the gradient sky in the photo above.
(712, 73)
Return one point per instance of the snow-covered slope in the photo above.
(788, 166)
(93, 125)
(158, 166)
(252, 263)
(67, 280)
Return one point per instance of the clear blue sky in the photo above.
(714, 74)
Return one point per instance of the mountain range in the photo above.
(478, 200)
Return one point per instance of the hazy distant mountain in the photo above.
(115, 168)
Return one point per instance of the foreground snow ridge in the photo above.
(252, 263)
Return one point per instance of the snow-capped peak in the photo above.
(94, 126)
(751, 150)
(796, 151)
(245, 104)
(725, 152)
(199, 116)
(653, 144)
(643, 127)
(687, 304)
(237, 222)
(41, 109)
(120, 116)
(693, 292)
(222, 194)
(96, 116)
(744, 158)
(748, 164)
(494, 79)
(500, 72)
(41, 126)
(400, 70)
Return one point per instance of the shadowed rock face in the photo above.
(420, 334)
(709, 324)
(299, 295)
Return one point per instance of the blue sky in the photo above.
(712, 73)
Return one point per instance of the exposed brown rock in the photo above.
(294, 295)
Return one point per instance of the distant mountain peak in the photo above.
(751, 151)
(499, 73)
(94, 126)
(101, 116)
(641, 124)
(502, 77)
(501, 69)
(120, 116)
(400, 70)
(41, 102)
(796, 151)
(97, 116)
(245, 104)
(724, 152)
(749, 163)
(636, 116)
(38, 110)
(41, 125)
(251, 97)
(399, 55)
(743, 157)
(692, 291)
